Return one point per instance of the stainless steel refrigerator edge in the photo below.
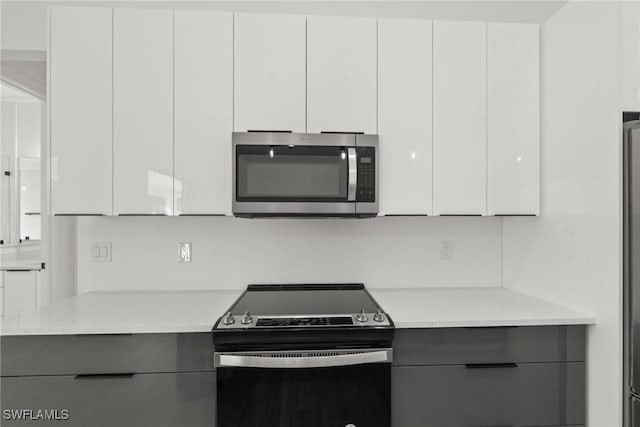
(631, 271)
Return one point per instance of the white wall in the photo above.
(232, 252)
(29, 129)
(572, 254)
(23, 25)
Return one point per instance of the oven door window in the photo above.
(356, 395)
(291, 174)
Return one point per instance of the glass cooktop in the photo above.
(305, 300)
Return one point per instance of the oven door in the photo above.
(326, 388)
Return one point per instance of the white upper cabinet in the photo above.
(80, 110)
(404, 116)
(203, 111)
(459, 118)
(341, 74)
(513, 122)
(269, 72)
(143, 111)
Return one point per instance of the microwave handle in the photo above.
(353, 174)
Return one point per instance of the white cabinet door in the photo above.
(513, 119)
(404, 116)
(269, 72)
(19, 291)
(459, 118)
(203, 112)
(341, 74)
(80, 107)
(43, 294)
(143, 111)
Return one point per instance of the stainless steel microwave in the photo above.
(300, 174)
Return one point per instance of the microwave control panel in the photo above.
(366, 188)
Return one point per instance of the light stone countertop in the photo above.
(468, 307)
(197, 311)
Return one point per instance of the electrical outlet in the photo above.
(446, 250)
(184, 251)
(101, 252)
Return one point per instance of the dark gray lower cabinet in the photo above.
(531, 394)
(489, 377)
(77, 354)
(185, 399)
(635, 413)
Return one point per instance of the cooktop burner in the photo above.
(303, 315)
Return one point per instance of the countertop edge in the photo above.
(493, 323)
(207, 328)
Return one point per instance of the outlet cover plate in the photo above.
(184, 252)
(101, 252)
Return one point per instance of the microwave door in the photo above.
(295, 179)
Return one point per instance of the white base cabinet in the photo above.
(19, 291)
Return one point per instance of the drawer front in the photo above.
(153, 400)
(82, 354)
(451, 346)
(535, 394)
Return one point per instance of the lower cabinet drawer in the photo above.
(153, 400)
(88, 354)
(534, 394)
(455, 346)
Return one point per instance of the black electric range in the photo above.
(312, 355)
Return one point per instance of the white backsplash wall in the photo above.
(571, 255)
(229, 253)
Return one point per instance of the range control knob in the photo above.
(379, 316)
(228, 319)
(246, 318)
(361, 317)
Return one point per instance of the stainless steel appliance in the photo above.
(304, 355)
(299, 174)
(631, 213)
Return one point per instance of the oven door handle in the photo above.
(301, 360)
(353, 174)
